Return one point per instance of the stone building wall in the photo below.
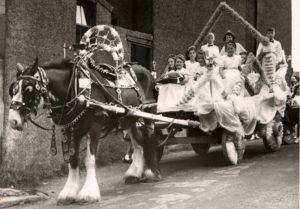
(177, 23)
(34, 29)
(2, 51)
(276, 14)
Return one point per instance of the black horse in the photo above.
(54, 86)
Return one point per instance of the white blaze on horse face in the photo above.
(14, 117)
(90, 191)
(137, 166)
(71, 188)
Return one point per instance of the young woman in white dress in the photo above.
(229, 36)
(170, 94)
(230, 71)
(191, 63)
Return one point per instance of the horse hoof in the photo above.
(87, 200)
(151, 180)
(150, 176)
(66, 201)
(131, 180)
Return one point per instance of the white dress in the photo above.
(169, 95)
(231, 72)
(211, 107)
(192, 67)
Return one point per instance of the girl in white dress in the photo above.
(171, 64)
(191, 64)
(170, 94)
(230, 70)
(229, 36)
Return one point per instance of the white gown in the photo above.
(231, 72)
(169, 95)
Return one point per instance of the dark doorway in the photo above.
(141, 54)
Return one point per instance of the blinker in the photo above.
(29, 88)
(13, 89)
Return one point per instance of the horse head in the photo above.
(28, 94)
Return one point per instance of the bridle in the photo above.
(33, 89)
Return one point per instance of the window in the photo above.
(141, 54)
(85, 17)
(114, 18)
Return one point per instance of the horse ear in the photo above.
(34, 67)
(36, 63)
(20, 68)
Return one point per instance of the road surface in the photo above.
(263, 180)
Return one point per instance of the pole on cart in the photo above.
(141, 114)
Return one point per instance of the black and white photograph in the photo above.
(149, 104)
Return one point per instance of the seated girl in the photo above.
(170, 93)
(192, 64)
(171, 64)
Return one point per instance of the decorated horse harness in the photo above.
(35, 87)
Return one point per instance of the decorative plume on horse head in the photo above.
(68, 90)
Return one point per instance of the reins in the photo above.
(36, 124)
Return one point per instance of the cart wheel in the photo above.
(272, 134)
(159, 152)
(201, 149)
(233, 146)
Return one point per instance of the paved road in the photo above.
(262, 181)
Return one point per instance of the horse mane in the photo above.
(59, 64)
(146, 80)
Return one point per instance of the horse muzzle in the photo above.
(16, 121)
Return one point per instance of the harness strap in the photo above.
(105, 90)
(36, 124)
(16, 105)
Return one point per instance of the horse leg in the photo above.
(136, 168)
(69, 192)
(152, 171)
(90, 191)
